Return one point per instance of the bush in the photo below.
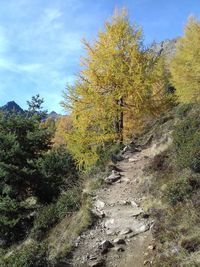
(178, 190)
(58, 171)
(49, 215)
(45, 219)
(68, 202)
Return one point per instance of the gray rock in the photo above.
(105, 246)
(131, 235)
(115, 176)
(136, 212)
(110, 232)
(145, 216)
(119, 241)
(109, 222)
(92, 257)
(125, 231)
(99, 204)
(132, 160)
(143, 228)
(125, 149)
(99, 213)
(119, 249)
(151, 247)
(97, 263)
(124, 202)
(147, 263)
(134, 204)
(138, 230)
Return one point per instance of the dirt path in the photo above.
(122, 237)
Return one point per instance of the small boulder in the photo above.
(138, 230)
(132, 160)
(151, 247)
(145, 216)
(131, 235)
(97, 263)
(99, 204)
(119, 249)
(105, 246)
(144, 228)
(148, 263)
(125, 149)
(110, 232)
(134, 204)
(119, 241)
(136, 212)
(92, 257)
(126, 231)
(124, 202)
(115, 176)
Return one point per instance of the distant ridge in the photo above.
(53, 115)
(12, 106)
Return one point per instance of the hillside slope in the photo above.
(149, 214)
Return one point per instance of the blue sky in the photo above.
(40, 40)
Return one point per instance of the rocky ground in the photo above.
(122, 235)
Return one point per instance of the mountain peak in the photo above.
(12, 106)
(53, 115)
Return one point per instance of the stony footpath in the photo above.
(122, 235)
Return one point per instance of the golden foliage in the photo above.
(119, 80)
(185, 66)
(63, 125)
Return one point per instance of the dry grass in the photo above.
(62, 238)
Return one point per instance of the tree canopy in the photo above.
(28, 169)
(185, 65)
(120, 80)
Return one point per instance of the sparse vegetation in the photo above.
(28, 255)
(175, 185)
(178, 190)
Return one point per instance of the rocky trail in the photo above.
(122, 235)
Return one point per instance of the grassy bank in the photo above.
(175, 189)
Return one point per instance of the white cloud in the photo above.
(51, 14)
(7, 64)
(40, 46)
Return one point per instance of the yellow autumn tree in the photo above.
(115, 83)
(158, 96)
(63, 125)
(185, 65)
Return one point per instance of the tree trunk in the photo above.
(119, 120)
